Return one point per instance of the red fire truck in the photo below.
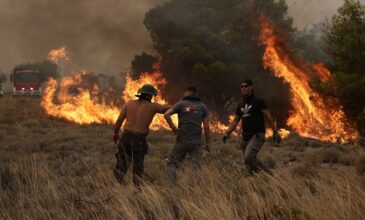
(26, 82)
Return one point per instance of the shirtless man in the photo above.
(132, 145)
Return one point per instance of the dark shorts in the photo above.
(132, 147)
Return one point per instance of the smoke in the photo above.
(306, 13)
(103, 36)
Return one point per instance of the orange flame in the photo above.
(321, 70)
(311, 116)
(156, 79)
(84, 107)
(80, 108)
(57, 54)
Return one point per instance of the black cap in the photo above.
(247, 81)
(147, 89)
(192, 89)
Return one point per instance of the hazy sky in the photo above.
(307, 12)
(103, 35)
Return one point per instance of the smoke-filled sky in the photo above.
(103, 36)
(307, 12)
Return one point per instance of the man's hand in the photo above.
(225, 137)
(176, 130)
(116, 138)
(276, 137)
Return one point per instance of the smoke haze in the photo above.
(103, 36)
(309, 12)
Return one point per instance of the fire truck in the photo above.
(26, 82)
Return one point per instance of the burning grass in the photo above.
(54, 169)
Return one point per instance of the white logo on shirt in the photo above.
(245, 110)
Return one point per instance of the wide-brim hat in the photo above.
(147, 89)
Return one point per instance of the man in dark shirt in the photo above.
(252, 111)
(191, 114)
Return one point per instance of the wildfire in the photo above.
(75, 99)
(312, 116)
(57, 54)
(82, 107)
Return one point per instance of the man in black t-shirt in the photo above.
(252, 111)
(192, 113)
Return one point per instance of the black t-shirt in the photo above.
(252, 117)
(191, 112)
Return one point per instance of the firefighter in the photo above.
(192, 112)
(132, 146)
(253, 112)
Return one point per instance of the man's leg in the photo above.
(123, 160)
(176, 157)
(250, 154)
(138, 167)
(196, 156)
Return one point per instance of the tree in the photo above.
(143, 63)
(344, 41)
(213, 44)
(345, 38)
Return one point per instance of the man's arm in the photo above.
(119, 122)
(269, 119)
(276, 136)
(168, 119)
(206, 133)
(233, 124)
(231, 127)
(161, 109)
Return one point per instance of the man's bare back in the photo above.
(138, 115)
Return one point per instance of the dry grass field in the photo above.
(51, 169)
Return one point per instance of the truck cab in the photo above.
(26, 82)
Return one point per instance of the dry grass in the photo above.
(53, 169)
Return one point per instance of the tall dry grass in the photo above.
(55, 170)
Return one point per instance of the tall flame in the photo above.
(57, 54)
(312, 116)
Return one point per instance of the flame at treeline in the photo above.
(312, 116)
(79, 106)
(75, 100)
